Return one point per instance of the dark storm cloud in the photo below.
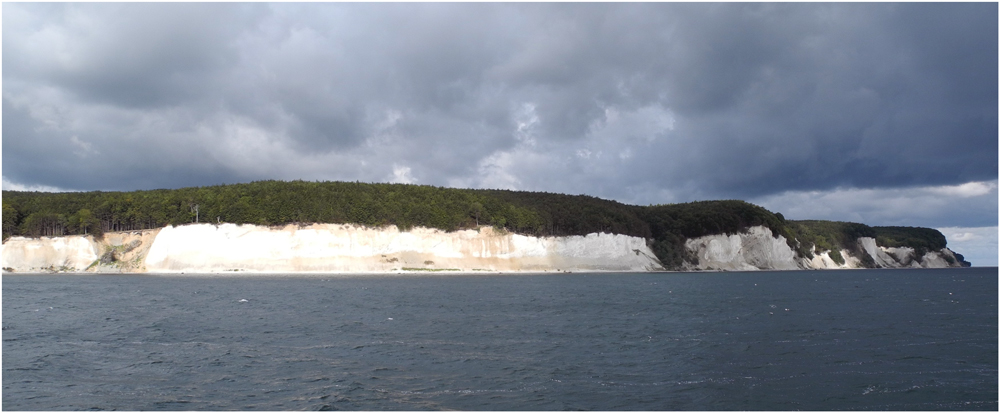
(645, 103)
(820, 96)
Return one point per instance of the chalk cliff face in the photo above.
(116, 252)
(758, 249)
(752, 250)
(72, 253)
(206, 248)
(349, 248)
(326, 248)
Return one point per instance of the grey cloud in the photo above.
(131, 55)
(762, 98)
(870, 118)
(91, 159)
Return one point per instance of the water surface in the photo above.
(864, 339)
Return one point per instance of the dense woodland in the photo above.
(376, 204)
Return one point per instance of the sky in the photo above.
(878, 113)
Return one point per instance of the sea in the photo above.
(790, 340)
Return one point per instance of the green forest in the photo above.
(277, 203)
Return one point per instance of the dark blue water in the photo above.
(870, 339)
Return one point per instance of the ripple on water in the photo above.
(596, 342)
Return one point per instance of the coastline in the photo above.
(353, 249)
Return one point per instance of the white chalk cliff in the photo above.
(758, 249)
(333, 248)
(325, 248)
(753, 250)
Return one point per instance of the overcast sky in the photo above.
(878, 113)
